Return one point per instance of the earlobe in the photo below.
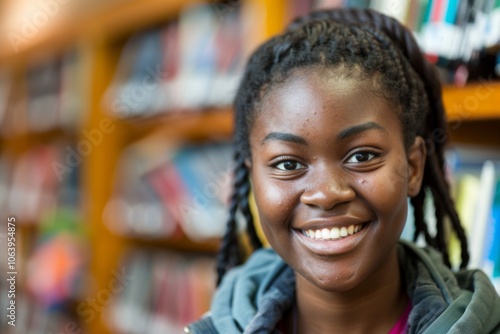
(416, 165)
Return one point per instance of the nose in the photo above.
(328, 191)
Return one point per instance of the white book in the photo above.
(482, 215)
(396, 9)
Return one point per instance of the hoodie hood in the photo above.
(253, 298)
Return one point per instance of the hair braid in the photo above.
(440, 231)
(229, 254)
(418, 203)
(447, 203)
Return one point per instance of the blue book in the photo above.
(493, 254)
(451, 11)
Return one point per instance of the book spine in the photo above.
(482, 215)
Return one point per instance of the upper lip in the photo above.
(320, 223)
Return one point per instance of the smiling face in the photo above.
(331, 177)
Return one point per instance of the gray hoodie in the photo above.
(253, 297)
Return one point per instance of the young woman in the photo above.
(335, 129)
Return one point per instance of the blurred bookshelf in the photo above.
(115, 123)
(87, 183)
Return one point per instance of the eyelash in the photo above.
(363, 151)
(287, 159)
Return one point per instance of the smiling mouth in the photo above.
(334, 233)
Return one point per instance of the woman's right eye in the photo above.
(289, 165)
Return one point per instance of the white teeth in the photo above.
(350, 230)
(333, 233)
(325, 233)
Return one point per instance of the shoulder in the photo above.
(445, 301)
(252, 296)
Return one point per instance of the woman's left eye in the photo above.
(361, 157)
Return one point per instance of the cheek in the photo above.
(385, 191)
(273, 201)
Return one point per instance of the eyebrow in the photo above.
(357, 129)
(284, 136)
(344, 134)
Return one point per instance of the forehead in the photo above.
(309, 98)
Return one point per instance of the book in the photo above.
(491, 242)
(73, 91)
(34, 186)
(175, 290)
(229, 60)
(43, 94)
(482, 214)
(473, 171)
(204, 213)
(395, 9)
(467, 188)
(440, 35)
(5, 90)
(197, 29)
(137, 206)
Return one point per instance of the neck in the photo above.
(372, 307)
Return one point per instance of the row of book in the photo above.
(39, 181)
(42, 200)
(50, 94)
(169, 192)
(193, 62)
(32, 318)
(462, 37)
(453, 29)
(477, 194)
(166, 291)
(475, 175)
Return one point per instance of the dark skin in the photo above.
(327, 153)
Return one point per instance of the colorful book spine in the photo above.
(482, 214)
(396, 9)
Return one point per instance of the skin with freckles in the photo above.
(326, 152)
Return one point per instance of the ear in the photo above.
(248, 164)
(416, 164)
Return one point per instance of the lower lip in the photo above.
(332, 247)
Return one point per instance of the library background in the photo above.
(108, 109)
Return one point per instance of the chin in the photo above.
(333, 281)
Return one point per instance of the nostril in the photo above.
(327, 197)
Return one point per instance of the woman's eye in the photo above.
(289, 165)
(361, 157)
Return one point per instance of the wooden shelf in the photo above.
(189, 125)
(134, 15)
(480, 101)
(181, 244)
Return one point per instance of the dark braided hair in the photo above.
(377, 48)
